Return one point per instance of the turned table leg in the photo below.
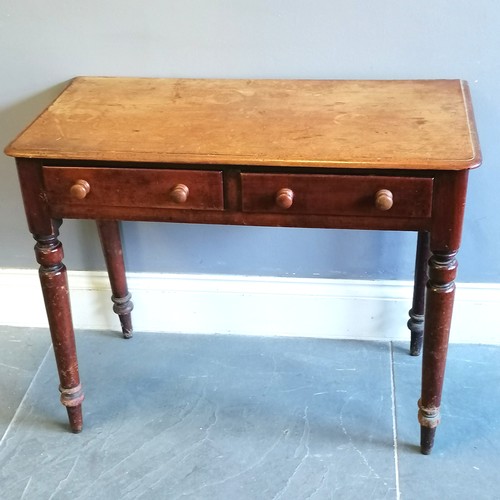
(53, 278)
(448, 209)
(416, 321)
(109, 234)
(49, 254)
(439, 308)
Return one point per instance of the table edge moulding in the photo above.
(354, 154)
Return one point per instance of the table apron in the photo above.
(241, 218)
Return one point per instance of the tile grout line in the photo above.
(394, 422)
(14, 418)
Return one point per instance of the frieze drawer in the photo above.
(134, 187)
(351, 195)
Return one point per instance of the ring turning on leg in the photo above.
(123, 306)
(72, 399)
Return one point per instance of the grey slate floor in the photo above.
(229, 417)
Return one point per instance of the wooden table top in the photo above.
(421, 124)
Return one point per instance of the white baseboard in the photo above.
(251, 305)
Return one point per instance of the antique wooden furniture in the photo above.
(327, 154)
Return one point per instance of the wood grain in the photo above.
(423, 124)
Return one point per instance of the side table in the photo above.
(379, 155)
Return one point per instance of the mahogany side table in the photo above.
(380, 155)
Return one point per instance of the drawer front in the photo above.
(134, 187)
(337, 195)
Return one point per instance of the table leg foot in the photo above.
(429, 419)
(426, 440)
(75, 418)
(72, 399)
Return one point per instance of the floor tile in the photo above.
(209, 417)
(21, 352)
(466, 457)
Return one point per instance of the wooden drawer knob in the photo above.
(384, 200)
(179, 193)
(80, 189)
(284, 198)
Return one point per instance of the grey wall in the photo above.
(43, 44)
